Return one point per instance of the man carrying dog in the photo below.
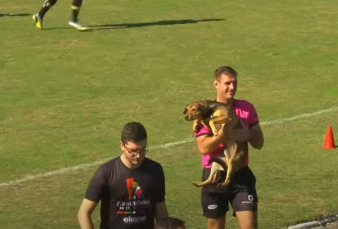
(241, 193)
(130, 187)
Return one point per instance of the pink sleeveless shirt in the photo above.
(246, 111)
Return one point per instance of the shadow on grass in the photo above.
(141, 24)
(15, 15)
(154, 23)
(61, 27)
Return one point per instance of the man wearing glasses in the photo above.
(130, 187)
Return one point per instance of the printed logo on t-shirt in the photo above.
(136, 206)
(134, 191)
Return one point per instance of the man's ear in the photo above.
(216, 83)
(121, 145)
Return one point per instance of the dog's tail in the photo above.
(219, 161)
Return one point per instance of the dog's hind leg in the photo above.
(211, 178)
(214, 176)
(204, 183)
(235, 163)
(230, 172)
(230, 154)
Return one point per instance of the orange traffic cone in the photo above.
(329, 139)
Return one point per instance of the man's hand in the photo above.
(239, 135)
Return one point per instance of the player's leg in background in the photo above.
(74, 21)
(76, 6)
(37, 18)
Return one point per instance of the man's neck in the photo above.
(127, 163)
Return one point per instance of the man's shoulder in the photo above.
(242, 103)
(153, 167)
(149, 162)
(112, 163)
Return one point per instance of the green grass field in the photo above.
(65, 95)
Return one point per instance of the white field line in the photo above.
(167, 145)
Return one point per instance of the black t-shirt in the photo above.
(128, 196)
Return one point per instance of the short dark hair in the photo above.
(133, 132)
(226, 70)
(169, 223)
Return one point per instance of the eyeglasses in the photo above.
(135, 152)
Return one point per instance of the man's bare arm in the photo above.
(161, 211)
(85, 212)
(257, 138)
(206, 143)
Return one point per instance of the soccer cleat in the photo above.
(37, 21)
(78, 26)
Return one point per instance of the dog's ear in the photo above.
(185, 111)
(212, 104)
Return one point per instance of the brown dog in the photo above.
(210, 113)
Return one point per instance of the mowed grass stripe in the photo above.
(290, 179)
(171, 144)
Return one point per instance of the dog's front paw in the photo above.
(195, 127)
(214, 131)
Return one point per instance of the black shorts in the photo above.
(241, 194)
